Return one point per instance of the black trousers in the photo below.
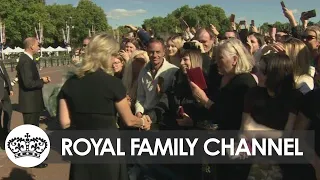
(6, 108)
(297, 172)
(31, 118)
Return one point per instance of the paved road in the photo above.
(9, 171)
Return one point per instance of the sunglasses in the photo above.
(308, 37)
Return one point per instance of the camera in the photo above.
(191, 45)
(309, 14)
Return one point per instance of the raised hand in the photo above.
(198, 93)
(214, 29)
(233, 26)
(289, 14)
(125, 55)
(254, 29)
(250, 45)
(278, 47)
(131, 27)
(304, 20)
(199, 45)
(193, 30)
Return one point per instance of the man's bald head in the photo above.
(29, 42)
(31, 45)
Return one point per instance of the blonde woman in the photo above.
(312, 39)
(235, 64)
(173, 46)
(131, 73)
(302, 58)
(89, 101)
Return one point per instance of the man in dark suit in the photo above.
(5, 105)
(30, 85)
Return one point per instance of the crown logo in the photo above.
(27, 146)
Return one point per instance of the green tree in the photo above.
(22, 16)
(88, 14)
(158, 24)
(203, 16)
(59, 16)
(122, 30)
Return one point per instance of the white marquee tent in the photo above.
(60, 49)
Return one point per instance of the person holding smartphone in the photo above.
(184, 108)
(235, 64)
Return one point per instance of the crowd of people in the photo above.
(252, 82)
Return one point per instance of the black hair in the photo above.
(259, 37)
(279, 72)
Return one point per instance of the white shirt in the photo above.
(147, 97)
(4, 82)
(30, 56)
(304, 83)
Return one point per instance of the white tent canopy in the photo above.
(48, 49)
(8, 50)
(18, 50)
(60, 49)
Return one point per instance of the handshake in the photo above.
(145, 122)
(46, 79)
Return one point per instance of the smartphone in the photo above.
(242, 22)
(232, 17)
(252, 22)
(282, 4)
(309, 14)
(196, 76)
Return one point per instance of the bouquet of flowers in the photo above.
(50, 93)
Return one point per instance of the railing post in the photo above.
(11, 64)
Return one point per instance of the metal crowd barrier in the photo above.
(43, 62)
